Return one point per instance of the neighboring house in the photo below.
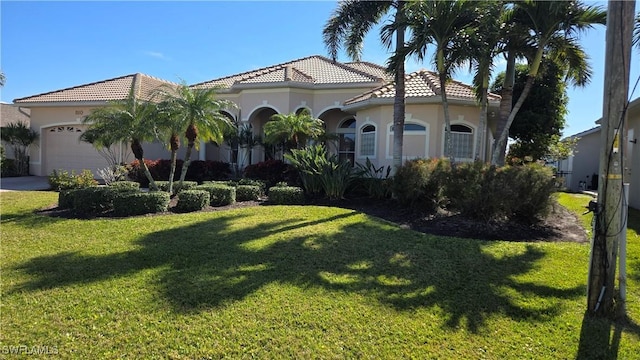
(355, 101)
(10, 113)
(578, 169)
(586, 160)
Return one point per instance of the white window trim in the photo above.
(389, 138)
(375, 141)
(474, 134)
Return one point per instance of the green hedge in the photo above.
(125, 185)
(93, 200)
(140, 203)
(248, 192)
(186, 185)
(286, 195)
(65, 199)
(418, 183)
(192, 200)
(220, 195)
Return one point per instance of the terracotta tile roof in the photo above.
(371, 68)
(105, 90)
(12, 114)
(313, 70)
(421, 84)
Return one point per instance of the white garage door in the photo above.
(64, 150)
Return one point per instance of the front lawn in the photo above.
(293, 282)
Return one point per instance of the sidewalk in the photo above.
(24, 183)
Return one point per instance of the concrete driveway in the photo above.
(24, 183)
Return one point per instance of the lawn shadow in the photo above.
(212, 263)
(600, 337)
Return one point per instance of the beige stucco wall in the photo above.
(429, 115)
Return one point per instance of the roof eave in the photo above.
(30, 104)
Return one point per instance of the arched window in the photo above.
(462, 142)
(347, 141)
(368, 140)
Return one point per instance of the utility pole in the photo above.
(602, 265)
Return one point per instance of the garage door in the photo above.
(64, 150)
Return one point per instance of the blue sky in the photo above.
(47, 46)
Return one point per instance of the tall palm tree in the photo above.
(293, 129)
(198, 111)
(442, 24)
(349, 25)
(130, 120)
(3, 79)
(552, 26)
(481, 51)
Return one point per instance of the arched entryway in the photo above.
(257, 119)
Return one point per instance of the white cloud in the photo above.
(156, 54)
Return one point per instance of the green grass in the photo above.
(294, 282)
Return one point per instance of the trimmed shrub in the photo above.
(65, 198)
(124, 186)
(8, 168)
(140, 203)
(259, 183)
(93, 200)
(248, 192)
(477, 190)
(531, 188)
(484, 192)
(192, 200)
(186, 185)
(219, 195)
(418, 183)
(63, 180)
(271, 172)
(286, 195)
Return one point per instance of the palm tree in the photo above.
(106, 144)
(293, 129)
(348, 26)
(170, 128)
(129, 120)
(197, 110)
(444, 25)
(20, 137)
(3, 79)
(552, 26)
(481, 50)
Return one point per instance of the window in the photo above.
(368, 141)
(347, 141)
(462, 141)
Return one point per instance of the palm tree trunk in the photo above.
(138, 152)
(448, 144)
(482, 123)
(398, 103)
(175, 145)
(187, 162)
(502, 140)
(506, 102)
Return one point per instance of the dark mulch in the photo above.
(560, 224)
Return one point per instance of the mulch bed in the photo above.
(560, 224)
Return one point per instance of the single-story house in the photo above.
(585, 162)
(354, 99)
